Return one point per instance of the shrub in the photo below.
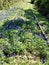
(43, 6)
(32, 1)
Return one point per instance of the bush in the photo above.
(18, 48)
(32, 1)
(7, 51)
(5, 4)
(43, 6)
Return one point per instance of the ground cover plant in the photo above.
(21, 41)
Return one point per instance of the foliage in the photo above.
(21, 40)
(22, 37)
(32, 1)
(47, 62)
(43, 6)
(5, 4)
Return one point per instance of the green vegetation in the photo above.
(5, 4)
(43, 6)
(21, 41)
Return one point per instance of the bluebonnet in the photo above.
(2, 62)
(1, 35)
(18, 38)
(46, 37)
(18, 27)
(2, 53)
(8, 55)
(43, 60)
(47, 42)
(23, 31)
(40, 35)
(14, 54)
